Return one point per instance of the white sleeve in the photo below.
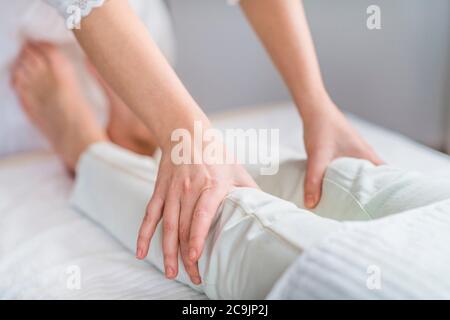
(74, 10)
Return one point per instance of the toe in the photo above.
(21, 89)
(49, 51)
(19, 76)
(47, 47)
(25, 67)
(34, 57)
(31, 59)
(21, 65)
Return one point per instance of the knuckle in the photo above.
(211, 182)
(162, 181)
(214, 182)
(156, 200)
(168, 226)
(148, 217)
(173, 185)
(206, 178)
(200, 214)
(187, 186)
(313, 182)
(184, 233)
(188, 264)
(143, 238)
(169, 257)
(195, 241)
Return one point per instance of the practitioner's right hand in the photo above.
(186, 199)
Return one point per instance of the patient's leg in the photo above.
(356, 189)
(48, 90)
(124, 127)
(253, 240)
(255, 236)
(378, 191)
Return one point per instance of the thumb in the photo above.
(374, 158)
(315, 172)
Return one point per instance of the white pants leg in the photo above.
(256, 236)
(253, 240)
(356, 190)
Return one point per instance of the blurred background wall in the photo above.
(397, 77)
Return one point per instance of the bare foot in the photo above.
(50, 95)
(124, 127)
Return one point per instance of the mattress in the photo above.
(49, 251)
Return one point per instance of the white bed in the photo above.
(41, 238)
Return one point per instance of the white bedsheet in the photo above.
(41, 238)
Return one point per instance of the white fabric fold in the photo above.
(257, 236)
(253, 240)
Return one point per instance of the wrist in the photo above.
(311, 104)
(190, 133)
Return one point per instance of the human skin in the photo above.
(283, 29)
(186, 197)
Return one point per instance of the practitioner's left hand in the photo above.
(328, 135)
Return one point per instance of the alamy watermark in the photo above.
(373, 281)
(374, 17)
(214, 147)
(73, 277)
(73, 20)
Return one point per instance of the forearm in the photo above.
(122, 50)
(283, 29)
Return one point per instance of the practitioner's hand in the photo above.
(186, 198)
(328, 135)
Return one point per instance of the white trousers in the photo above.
(256, 234)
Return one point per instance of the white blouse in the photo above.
(75, 10)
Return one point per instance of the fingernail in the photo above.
(169, 272)
(309, 201)
(196, 280)
(139, 254)
(192, 254)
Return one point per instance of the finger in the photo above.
(45, 50)
(171, 216)
(189, 200)
(149, 224)
(37, 51)
(315, 171)
(204, 213)
(15, 65)
(376, 160)
(372, 156)
(33, 55)
(19, 79)
(245, 180)
(29, 63)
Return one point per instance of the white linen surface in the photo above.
(41, 237)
